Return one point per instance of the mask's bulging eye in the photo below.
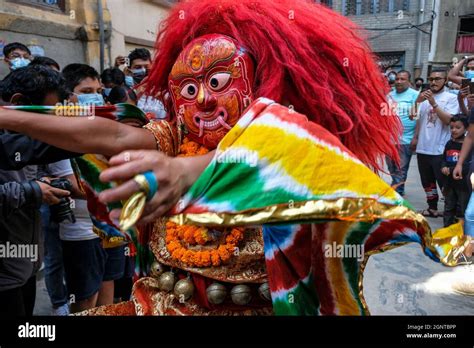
(189, 91)
(219, 81)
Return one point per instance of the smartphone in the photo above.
(468, 82)
(425, 87)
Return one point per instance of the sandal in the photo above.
(429, 213)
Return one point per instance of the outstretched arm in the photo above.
(78, 134)
(19, 150)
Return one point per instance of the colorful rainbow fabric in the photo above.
(324, 212)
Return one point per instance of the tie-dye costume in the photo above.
(308, 176)
(307, 207)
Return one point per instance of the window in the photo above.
(465, 39)
(328, 3)
(391, 60)
(52, 5)
(361, 7)
(167, 3)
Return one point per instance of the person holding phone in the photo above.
(456, 75)
(432, 133)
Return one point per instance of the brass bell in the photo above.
(264, 291)
(184, 289)
(166, 281)
(156, 269)
(241, 294)
(216, 293)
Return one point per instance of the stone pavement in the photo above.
(402, 281)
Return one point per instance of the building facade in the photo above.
(69, 30)
(415, 35)
(135, 24)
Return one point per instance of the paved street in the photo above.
(402, 281)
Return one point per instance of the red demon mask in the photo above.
(211, 86)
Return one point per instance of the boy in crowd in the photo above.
(16, 55)
(110, 78)
(456, 192)
(83, 81)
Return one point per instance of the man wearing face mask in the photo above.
(139, 65)
(391, 76)
(110, 78)
(456, 75)
(16, 55)
(419, 83)
(83, 82)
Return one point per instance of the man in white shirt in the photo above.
(432, 133)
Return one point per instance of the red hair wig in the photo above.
(306, 55)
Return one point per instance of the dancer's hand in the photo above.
(174, 175)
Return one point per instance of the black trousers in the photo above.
(456, 198)
(19, 301)
(429, 167)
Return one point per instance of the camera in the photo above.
(62, 211)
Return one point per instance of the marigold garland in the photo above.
(196, 235)
(191, 148)
(177, 235)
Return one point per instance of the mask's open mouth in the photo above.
(211, 121)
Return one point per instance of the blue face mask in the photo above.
(90, 99)
(469, 74)
(19, 63)
(129, 81)
(107, 91)
(139, 74)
